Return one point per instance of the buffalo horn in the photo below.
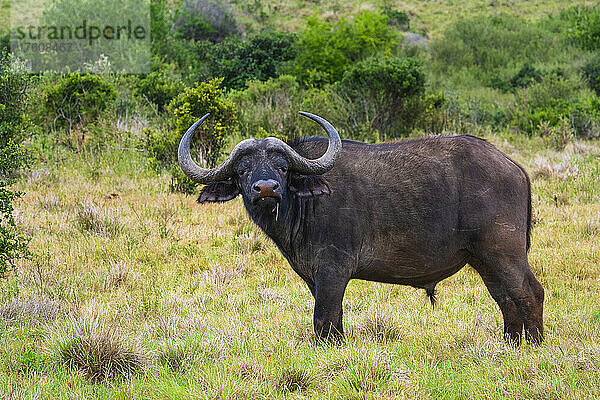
(225, 170)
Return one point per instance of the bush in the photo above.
(4, 43)
(263, 56)
(328, 49)
(158, 88)
(204, 20)
(185, 110)
(551, 102)
(159, 26)
(385, 92)
(12, 244)
(525, 77)
(584, 26)
(398, 19)
(270, 108)
(591, 74)
(491, 43)
(76, 100)
(14, 124)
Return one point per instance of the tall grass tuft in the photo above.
(91, 218)
(292, 380)
(180, 355)
(33, 308)
(380, 326)
(365, 370)
(99, 352)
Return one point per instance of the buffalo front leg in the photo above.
(330, 286)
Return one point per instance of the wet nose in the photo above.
(265, 187)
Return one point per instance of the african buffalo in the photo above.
(412, 212)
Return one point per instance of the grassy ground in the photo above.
(137, 293)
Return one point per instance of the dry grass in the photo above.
(380, 325)
(99, 220)
(544, 168)
(100, 352)
(33, 308)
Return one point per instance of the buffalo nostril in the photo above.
(265, 185)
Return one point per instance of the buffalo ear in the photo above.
(218, 192)
(309, 185)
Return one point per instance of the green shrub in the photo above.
(591, 73)
(328, 49)
(185, 110)
(398, 19)
(158, 88)
(551, 102)
(77, 99)
(204, 20)
(14, 125)
(192, 58)
(490, 43)
(584, 26)
(270, 108)
(525, 77)
(263, 56)
(4, 43)
(159, 26)
(385, 92)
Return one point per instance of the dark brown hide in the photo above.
(413, 213)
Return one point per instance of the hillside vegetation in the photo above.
(130, 289)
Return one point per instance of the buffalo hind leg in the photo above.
(518, 294)
(329, 293)
(513, 322)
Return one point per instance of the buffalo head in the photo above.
(266, 172)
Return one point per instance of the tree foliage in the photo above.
(185, 109)
(328, 49)
(158, 88)
(77, 99)
(591, 73)
(261, 57)
(204, 20)
(386, 90)
(14, 83)
(584, 26)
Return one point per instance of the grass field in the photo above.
(137, 293)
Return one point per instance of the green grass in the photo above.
(190, 301)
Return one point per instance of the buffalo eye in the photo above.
(282, 169)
